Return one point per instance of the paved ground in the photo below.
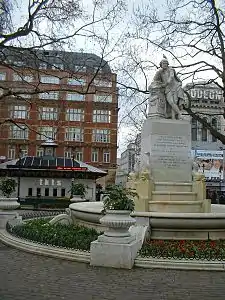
(25, 276)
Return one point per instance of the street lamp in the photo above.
(20, 155)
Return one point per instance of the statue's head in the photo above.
(164, 63)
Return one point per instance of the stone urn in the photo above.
(118, 223)
(8, 203)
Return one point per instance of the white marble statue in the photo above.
(167, 82)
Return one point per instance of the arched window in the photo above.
(214, 125)
(194, 130)
(204, 132)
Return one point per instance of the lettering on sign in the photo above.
(169, 151)
(208, 94)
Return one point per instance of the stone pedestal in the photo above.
(7, 215)
(166, 147)
(114, 255)
(166, 153)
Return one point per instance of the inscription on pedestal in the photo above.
(168, 143)
(169, 151)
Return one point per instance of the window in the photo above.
(74, 97)
(18, 132)
(40, 152)
(74, 114)
(102, 98)
(46, 192)
(63, 192)
(46, 132)
(38, 192)
(68, 153)
(79, 155)
(18, 63)
(106, 156)
(74, 134)
(214, 125)
(98, 69)
(101, 135)
(49, 79)
(103, 83)
(76, 81)
(194, 130)
(43, 66)
(55, 193)
(11, 152)
(49, 95)
(57, 67)
(101, 116)
(21, 93)
(21, 77)
(30, 192)
(80, 68)
(24, 150)
(19, 112)
(48, 113)
(94, 155)
(2, 76)
(49, 151)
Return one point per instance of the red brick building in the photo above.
(68, 97)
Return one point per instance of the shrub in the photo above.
(208, 249)
(78, 189)
(119, 198)
(7, 186)
(68, 236)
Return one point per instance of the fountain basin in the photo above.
(198, 226)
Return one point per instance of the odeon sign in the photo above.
(212, 94)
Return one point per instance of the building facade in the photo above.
(207, 100)
(126, 164)
(68, 97)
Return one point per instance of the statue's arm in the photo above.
(157, 76)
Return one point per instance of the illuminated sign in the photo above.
(204, 93)
(210, 163)
(72, 168)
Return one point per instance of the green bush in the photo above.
(68, 236)
(118, 198)
(78, 189)
(187, 249)
(7, 186)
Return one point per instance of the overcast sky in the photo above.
(88, 46)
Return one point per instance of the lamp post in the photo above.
(18, 188)
(73, 172)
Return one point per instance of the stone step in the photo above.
(173, 196)
(176, 206)
(173, 186)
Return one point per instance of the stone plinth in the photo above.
(114, 255)
(166, 148)
(5, 216)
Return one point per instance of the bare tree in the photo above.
(191, 34)
(32, 32)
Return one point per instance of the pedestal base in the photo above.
(114, 255)
(5, 216)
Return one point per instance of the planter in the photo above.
(77, 198)
(118, 223)
(9, 203)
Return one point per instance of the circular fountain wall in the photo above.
(199, 226)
